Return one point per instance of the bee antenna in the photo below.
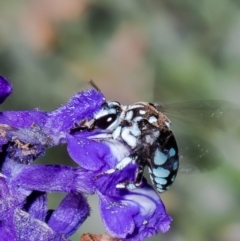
(94, 85)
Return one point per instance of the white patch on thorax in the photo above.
(152, 119)
(129, 115)
(135, 130)
(142, 112)
(138, 118)
(130, 107)
(128, 138)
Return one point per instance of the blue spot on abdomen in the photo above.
(161, 172)
(159, 158)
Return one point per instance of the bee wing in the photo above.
(197, 154)
(213, 114)
(200, 121)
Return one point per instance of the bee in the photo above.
(146, 131)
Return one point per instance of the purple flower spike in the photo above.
(5, 89)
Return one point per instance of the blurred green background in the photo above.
(152, 50)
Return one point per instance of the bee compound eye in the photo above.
(105, 121)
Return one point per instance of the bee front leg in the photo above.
(122, 164)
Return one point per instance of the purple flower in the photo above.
(25, 135)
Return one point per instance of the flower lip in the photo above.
(117, 147)
(109, 151)
(137, 214)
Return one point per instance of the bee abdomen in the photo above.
(164, 165)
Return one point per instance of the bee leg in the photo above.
(128, 185)
(139, 175)
(122, 164)
(136, 183)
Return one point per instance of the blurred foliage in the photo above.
(153, 50)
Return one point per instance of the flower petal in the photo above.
(70, 214)
(81, 106)
(53, 178)
(89, 154)
(30, 229)
(36, 205)
(136, 215)
(5, 89)
(23, 119)
(152, 216)
(117, 216)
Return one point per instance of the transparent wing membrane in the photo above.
(197, 154)
(214, 114)
(195, 125)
